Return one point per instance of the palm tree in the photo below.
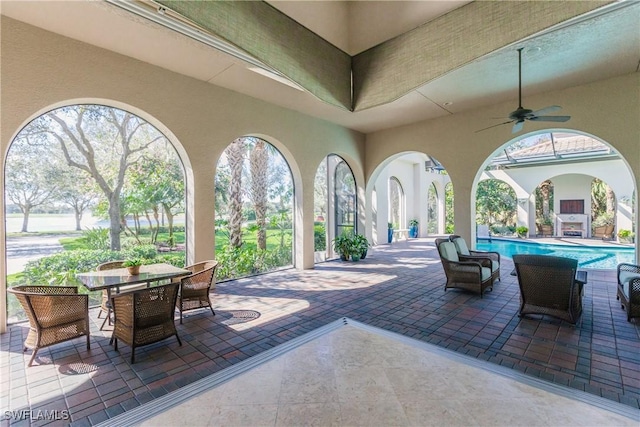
(235, 157)
(259, 162)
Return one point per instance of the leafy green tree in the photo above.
(30, 182)
(78, 191)
(603, 199)
(102, 141)
(432, 210)
(495, 203)
(448, 213)
(320, 190)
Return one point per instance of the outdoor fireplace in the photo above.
(572, 225)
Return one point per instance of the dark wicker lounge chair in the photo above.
(629, 289)
(195, 288)
(548, 286)
(56, 314)
(145, 316)
(485, 258)
(469, 275)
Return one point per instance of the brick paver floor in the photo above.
(399, 288)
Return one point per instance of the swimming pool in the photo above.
(594, 257)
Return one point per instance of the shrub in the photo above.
(319, 237)
(248, 260)
(522, 231)
(96, 238)
(602, 220)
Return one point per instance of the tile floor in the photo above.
(398, 288)
(352, 374)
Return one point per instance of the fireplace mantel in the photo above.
(572, 225)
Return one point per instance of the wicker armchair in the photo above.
(469, 275)
(56, 314)
(145, 316)
(485, 258)
(105, 305)
(548, 286)
(629, 289)
(195, 288)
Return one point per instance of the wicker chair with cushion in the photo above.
(629, 289)
(548, 286)
(56, 314)
(145, 316)
(485, 258)
(195, 288)
(105, 305)
(469, 275)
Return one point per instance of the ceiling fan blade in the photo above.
(550, 118)
(517, 126)
(499, 124)
(546, 110)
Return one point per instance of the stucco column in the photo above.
(304, 244)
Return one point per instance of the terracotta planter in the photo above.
(134, 270)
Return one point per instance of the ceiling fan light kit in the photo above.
(520, 115)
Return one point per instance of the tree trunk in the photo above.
(611, 201)
(78, 215)
(235, 156)
(545, 190)
(169, 215)
(26, 210)
(114, 222)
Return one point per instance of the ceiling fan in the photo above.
(519, 116)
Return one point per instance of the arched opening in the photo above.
(407, 192)
(432, 209)
(396, 204)
(335, 204)
(567, 185)
(106, 180)
(253, 210)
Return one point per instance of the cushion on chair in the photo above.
(626, 276)
(448, 251)
(461, 246)
(486, 273)
(495, 265)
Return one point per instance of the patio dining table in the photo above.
(115, 278)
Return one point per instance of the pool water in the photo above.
(594, 257)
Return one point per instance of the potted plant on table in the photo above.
(413, 228)
(133, 266)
